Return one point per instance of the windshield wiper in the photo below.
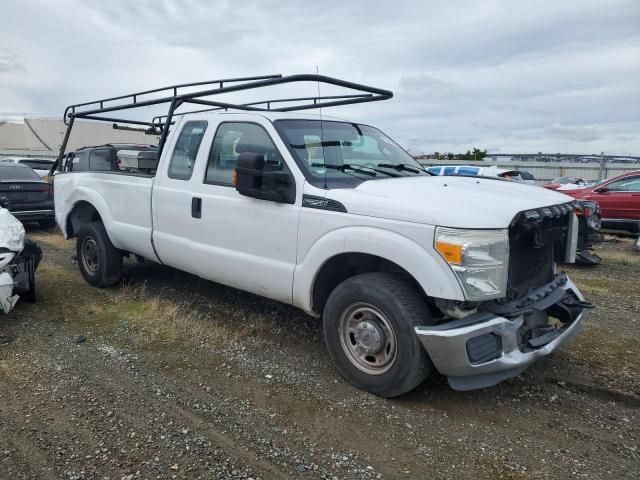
(399, 166)
(358, 168)
(346, 166)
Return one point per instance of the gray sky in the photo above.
(553, 76)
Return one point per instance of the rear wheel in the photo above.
(369, 325)
(99, 261)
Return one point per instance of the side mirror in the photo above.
(601, 190)
(253, 179)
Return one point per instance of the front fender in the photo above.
(426, 267)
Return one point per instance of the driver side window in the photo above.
(232, 139)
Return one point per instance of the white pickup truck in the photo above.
(410, 273)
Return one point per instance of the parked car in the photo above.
(409, 272)
(41, 166)
(19, 259)
(492, 171)
(29, 197)
(619, 200)
(560, 181)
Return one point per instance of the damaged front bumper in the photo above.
(484, 348)
(17, 275)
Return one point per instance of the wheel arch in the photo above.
(83, 212)
(350, 251)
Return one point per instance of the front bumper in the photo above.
(498, 337)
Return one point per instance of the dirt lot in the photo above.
(170, 376)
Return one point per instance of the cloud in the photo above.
(10, 64)
(575, 134)
(510, 76)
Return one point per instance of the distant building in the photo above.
(42, 137)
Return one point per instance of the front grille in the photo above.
(528, 267)
(536, 240)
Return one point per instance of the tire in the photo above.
(99, 261)
(46, 224)
(30, 295)
(31, 255)
(393, 307)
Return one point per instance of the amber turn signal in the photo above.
(450, 252)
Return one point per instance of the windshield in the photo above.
(341, 154)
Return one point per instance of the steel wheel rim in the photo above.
(367, 338)
(90, 256)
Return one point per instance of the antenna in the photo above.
(324, 160)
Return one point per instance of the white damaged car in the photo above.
(19, 259)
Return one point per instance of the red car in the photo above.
(619, 200)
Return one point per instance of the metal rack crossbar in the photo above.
(176, 96)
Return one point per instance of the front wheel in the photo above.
(369, 325)
(99, 261)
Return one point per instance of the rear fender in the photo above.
(83, 194)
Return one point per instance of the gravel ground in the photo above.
(170, 376)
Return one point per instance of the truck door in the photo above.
(240, 241)
(172, 197)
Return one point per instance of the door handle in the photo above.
(196, 207)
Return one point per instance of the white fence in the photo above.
(545, 171)
(22, 153)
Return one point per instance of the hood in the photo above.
(451, 201)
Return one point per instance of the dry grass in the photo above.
(52, 239)
(630, 258)
(159, 320)
(604, 285)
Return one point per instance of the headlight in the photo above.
(479, 258)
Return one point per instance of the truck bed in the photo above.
(128, 217)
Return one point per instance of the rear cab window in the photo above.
(186, 149)
(100, 160)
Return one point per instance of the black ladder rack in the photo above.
(174, 96)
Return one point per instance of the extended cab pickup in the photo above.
(409, 272)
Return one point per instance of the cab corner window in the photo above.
(232, 139)
(186, 149)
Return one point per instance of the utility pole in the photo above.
(602, 166)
